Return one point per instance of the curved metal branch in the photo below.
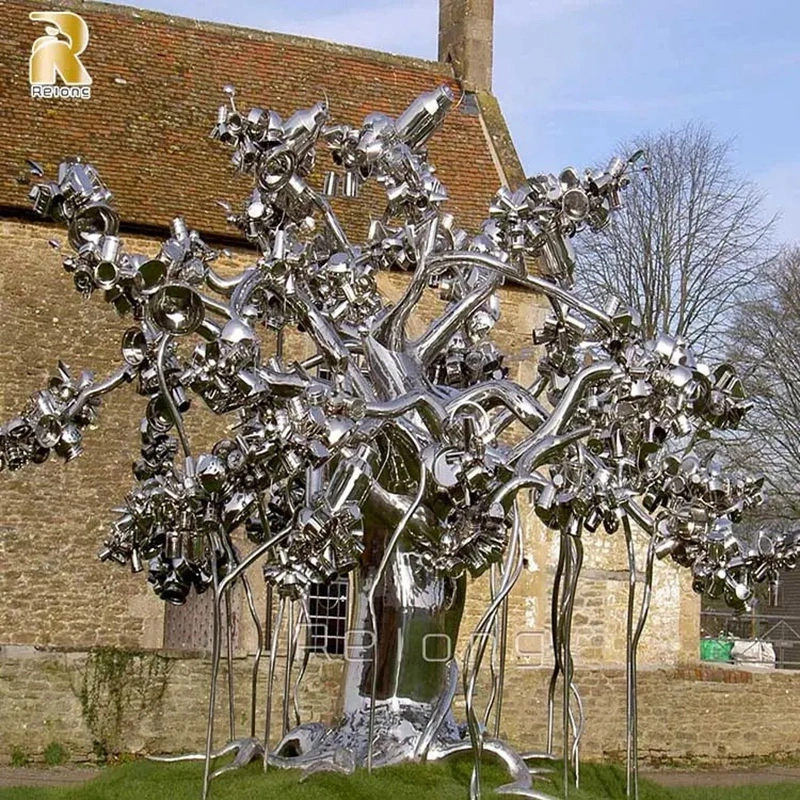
(223, 286)
(113, 381)
(390, 331)
(539, 284)
(166, 393)
(568, 403)
(512, 569)
(428, 346)
(433, 412)
(517, 400)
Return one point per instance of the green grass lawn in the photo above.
(446, 781)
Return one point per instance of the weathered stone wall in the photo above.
(672, 633)
(700, 715)
(53, 518)
(671, 636)
(40, 701)
(703, 714)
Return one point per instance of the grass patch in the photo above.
(55, 754)
(143, 780)
(19, 757)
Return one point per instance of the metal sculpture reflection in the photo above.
(398, 465)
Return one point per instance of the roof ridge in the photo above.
(363, 53)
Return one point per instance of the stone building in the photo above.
(156, 84)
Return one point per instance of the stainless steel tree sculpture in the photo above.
(394, 462)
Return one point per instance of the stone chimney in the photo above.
(465, 41)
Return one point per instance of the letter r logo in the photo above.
(57, 52)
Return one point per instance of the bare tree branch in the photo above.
(691, 244)
(764, 342)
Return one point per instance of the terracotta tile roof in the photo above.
(156, 86)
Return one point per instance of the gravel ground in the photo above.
(45, 776)
(722, 777)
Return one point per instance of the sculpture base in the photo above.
(398, 728)
(315, 747)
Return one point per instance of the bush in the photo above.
(114, 687)
(19, 757)
(55, 753)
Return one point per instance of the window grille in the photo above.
(327, 611)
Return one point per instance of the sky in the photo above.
(576, 78)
